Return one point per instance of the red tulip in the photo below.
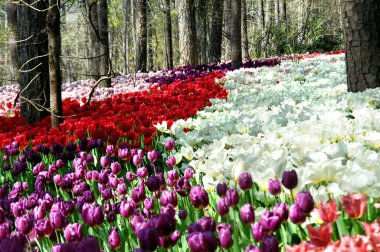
(328, 212)
(321, 236)
(354, 205)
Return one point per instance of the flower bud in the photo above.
(225, 235)
(274, 186)
(305, 202)
(296, 215)
(171, 161)
(221, 189)
(289, 179)
(73, 232)
(114, 239)
(223, 207)
(232, 197)
(245, 181)
(199, 197)
(247, 214)
(169, 145)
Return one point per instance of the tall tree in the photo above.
(105, 61)
(54, 39)
(203, 22)
(141, 32)
(150, 31)
(236, 56)
(168, 35)
(187, 32)
(216, 30)
(125, 36)
(361, 21)
(227, 30)
(11, 10)
(94, 57)
(33, 59)
(244, 29)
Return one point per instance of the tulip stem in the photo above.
(291, 193)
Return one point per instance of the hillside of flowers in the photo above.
(274, 156)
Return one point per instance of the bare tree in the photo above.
(244, 29)
(361, 21)
(168, 35)
(187, 32)
(236, 56)
(105, 61)
(11, 10)
(216, 30)
(203, 22)
(141, 32)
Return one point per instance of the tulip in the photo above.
(182, 186)
(355, 205)
(171, 161)
(189, 173)
(105, 161)
(202, 241)
(269, 244)
(18, 208)
(43, 228)
(274, 186)
(247, 214)
(321, 236)
(305, 202)
(124, 154)
(149, 204)
(173, 175)
(153, 183)
(182, 214)
(251, 248)
(127, 208)
(152, 155)
(13, 244)
(328, 212)
(23, 224)
(73, 232)
(223, 207)
(148, 238)
(89, 244)
(169, 197)
(282, 211)
(142, 172)
(269, 221)
(296, 215)
(93, 215)
(169, 145)
(165, 224)
(289, 179)
(199, 197)
(225, 235)
(138, 194)
(130, 176)
(57, 220)
(114, 239)
(232, 197)
(137, 160)
(221, 189)
(168, 209)
(207, 223)
(115, 168)
(4, 230)
(245, 181)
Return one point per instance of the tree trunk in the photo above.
(244, 29)
(236, 33)
(283, 11)
(202, 17)
(54, 39)
(276, 12)
(105, 60)
(125, 37)
(361, 19)
(33, 59)
(227, 29)
(216, 31)
(261, 15)
(187, 32)
(141, 32)
(168, 35)
(11, 10)
(94, 62)
(150, 31)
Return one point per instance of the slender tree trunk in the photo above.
(168, 35)
(141, 32)
(227, 30)
(105, 60)
(202, 17)
(54, 39)
(92, 11)
(150, 30)
(134, 34)
(261, 15)
(236, 56)
(125, 36)
(244, 29)
(216, 31)
(283, 10)
(187, 32)
(11, 10)
(276, 12)
(361, 21)
(33, 59)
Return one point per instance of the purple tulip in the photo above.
(274, 186)
(13, 244)
(225, 235)
(127, 208)
(169, 197)
(171, 161)
(270, 221)
(245, 181)
(199, 197)
(148, 238)
(130, 176)
(43, 228)
(57, 220)
(289, 179)
(222, 207)
(115, 168)
(137, 160)
(182, 214)
(247, 213)
(182, 186)
(18, 208)
(305, 202)
(114, 239)
(168, 209)
(165, 224)
(169, 145)
(149, 204)
(105, 161)
(73, 232)
(269, 244)
(251, 248)
(89, 244)
(153, 183)
(124, 154)
(4, 230)
(23, 224)
(202, 241)
(207, 223)
(93, 215)
(296, 215)
(221, 189)
(257, 231)
(189, 173)
(232, 197)
(142, 172)
(138, 194)
(152, 155)
(282, 211)
(110, 150)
